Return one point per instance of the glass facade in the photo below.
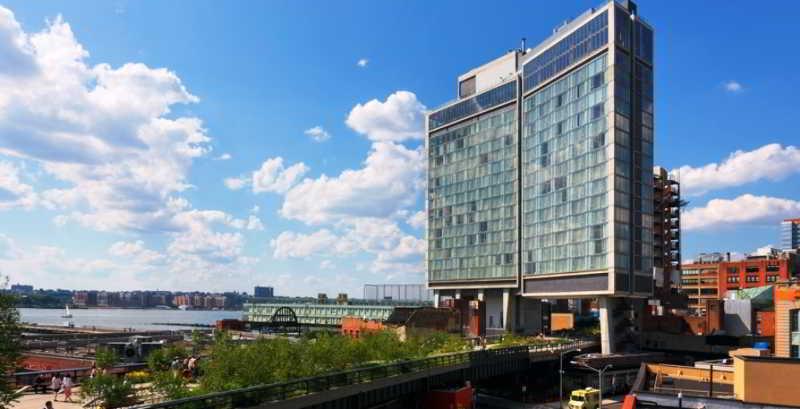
(489, 99)
(790, 234)
(565, 173)
(590, 37)
(569, 188)
(471, 199)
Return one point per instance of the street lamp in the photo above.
(561, 375)
(600, 379)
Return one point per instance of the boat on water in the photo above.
(184, 307)
(67, 314)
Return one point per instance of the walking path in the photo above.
(37, 401)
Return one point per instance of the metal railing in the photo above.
(255, 395)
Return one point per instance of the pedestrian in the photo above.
(192, 365)
(40, 384)
(48, 405)
(93, 371)
(55, 385)
(66, 385)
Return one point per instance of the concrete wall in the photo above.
(738, 317)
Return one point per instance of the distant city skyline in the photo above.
(139, 148)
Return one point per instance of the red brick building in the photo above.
(714, 275)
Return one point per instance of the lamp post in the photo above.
(600, 379)
(561, 375)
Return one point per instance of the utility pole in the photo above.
(561, 376)
(599, 378)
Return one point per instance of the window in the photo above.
(597, 111)
(773, 268)
(597, 80)
(733, 270)
(772, 278)
(733, 279)
(560, 100)
(751, 278)
(599, 140)
(484, 226)
(508, 258)
(751, 269)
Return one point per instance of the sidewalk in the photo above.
(37, 401)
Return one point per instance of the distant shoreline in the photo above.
(129, 308)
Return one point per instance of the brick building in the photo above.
(713, 275)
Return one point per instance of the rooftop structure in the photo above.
(539, 173)
(318, 314)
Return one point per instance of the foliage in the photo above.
(105, 358)
(170, 385)
(113, 391)
(9, 346)
(161, 359)
(136, 377)
(198, 341)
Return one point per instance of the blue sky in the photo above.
(202, 145)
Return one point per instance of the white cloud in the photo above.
(399, 118)
(733, 87)
(103, 133)
(745, 209)
(13, 192)
(362, 62)
(236, 183)
(224, 156)
(273, 177)
(135, 250)
(297, 245)
(390, 180)
(254, 223)
(255, 209)
(318, 134)
(326, 265)
(418, 219)
(771, 162)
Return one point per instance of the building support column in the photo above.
(507, 312)
(481, 295)
(435, 298)
(606, 305)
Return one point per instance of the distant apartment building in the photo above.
(21, 289)
(666, 229)
(790, 234)
(263, 292)
(711, 276)
(539, 174)
(84, 298)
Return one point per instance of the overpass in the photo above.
(371, 386)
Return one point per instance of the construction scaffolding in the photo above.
(397, 292)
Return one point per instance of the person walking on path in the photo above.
(48, 405)
(66, 385)
(55, 385)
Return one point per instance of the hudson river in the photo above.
(125, 318)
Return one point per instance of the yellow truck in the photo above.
(588, 398)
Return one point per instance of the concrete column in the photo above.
(507, 313)
(481, 295)
(606, 305)
(436, 298)
(457, 295)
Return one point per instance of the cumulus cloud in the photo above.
(297, 245)
(224, 156)
(745, 209)
(734, 87)
(318, 134)
(13, 192)
(274, 177)
(101, 132)
(771, 162)
(236, 183)
(362, 62)
(389, 181)
(399, 118)
(417, 220)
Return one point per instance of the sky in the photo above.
(200, 145)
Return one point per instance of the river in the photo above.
(125, 318)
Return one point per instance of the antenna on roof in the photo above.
(522, 46)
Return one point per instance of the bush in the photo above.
(112, 391)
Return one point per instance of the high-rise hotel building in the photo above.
(539, 174)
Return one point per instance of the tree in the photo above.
(10, 346)
(105, 358)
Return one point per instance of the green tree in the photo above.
(10, 346)
(105, 358)
(111, 391)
